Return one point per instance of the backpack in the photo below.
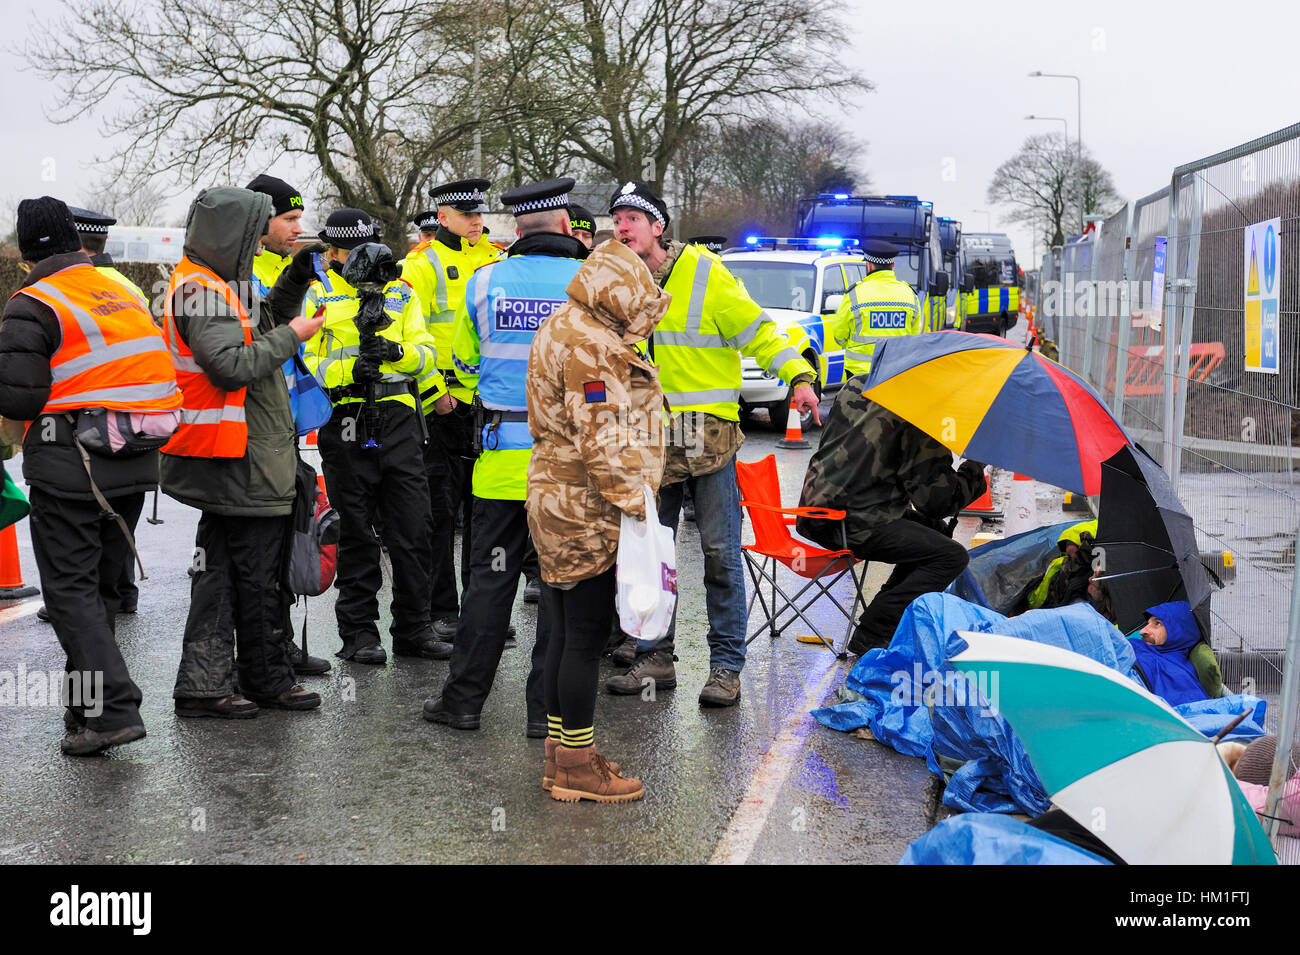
(314, 548)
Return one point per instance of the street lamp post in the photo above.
(988, 219)
(1078, 126)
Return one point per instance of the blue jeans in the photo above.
(717, 515)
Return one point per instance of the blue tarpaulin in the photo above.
(983, 839)
(996, 776)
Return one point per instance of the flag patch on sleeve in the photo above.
(595, 391)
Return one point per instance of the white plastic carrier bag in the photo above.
(647, 574)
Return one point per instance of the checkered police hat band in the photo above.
(879, 259)
(445, 197)
(426, 225)
(538, 205)
(632, 199)
(90, 227)
(349, 231)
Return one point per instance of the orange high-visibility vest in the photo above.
(111, 354)
(212, 419)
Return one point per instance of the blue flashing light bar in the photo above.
(815, 241)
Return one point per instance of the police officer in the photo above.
(711, 322)
(505, 303)
(372, 454)
(92, 229)
(73, 340)
(880, 306)
(452, 245)
(273, 255)
(898, 487)
(92, 232)
(583, 224)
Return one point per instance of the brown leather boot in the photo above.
(548, 772)
(585, 774)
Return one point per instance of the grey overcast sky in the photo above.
(1162, 84)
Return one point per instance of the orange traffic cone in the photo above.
(793, 431)
(982, 506)
(11, 573)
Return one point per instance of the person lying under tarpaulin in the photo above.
(1173, 659)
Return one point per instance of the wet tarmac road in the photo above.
(365, 779)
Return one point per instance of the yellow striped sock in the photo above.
(577, 739)
(554, 728)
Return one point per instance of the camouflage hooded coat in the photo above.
(595, 410)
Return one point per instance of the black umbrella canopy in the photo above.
(1150, 549)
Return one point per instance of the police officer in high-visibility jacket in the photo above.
(505, 303)
(372, 454)
(880, 306)
(92, 229)
(452, 245)
(711, 322)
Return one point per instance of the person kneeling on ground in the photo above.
(595, 413)
(899, 488)
(1171, 656)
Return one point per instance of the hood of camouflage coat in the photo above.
(617, 288)
(224, 228)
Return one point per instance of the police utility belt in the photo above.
(383, 389)
(492, 419)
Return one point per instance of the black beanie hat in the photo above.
(284, 197)
(45, 228)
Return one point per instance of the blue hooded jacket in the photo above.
(1168, 671)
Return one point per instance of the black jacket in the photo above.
(30, 334)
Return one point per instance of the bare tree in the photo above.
(641, 75)
(752, 173)
(205, 91)
(130, 203)
(1041, 185)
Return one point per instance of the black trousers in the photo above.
(449, 464)
(925, 561)
(386, 486)
(578, 621)
(496, 558)
(80, 556)
(237, 601)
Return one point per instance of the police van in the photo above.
(950, 246)
(991, 283)
(799, 282)
(145, 244)
(905, 221)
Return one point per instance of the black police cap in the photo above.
(93, 222)
(880, 252)
(465, 195)
(539, 196)
(426, 221)
(348, 228)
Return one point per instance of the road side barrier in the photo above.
(1022, 516)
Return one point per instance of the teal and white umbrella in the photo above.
(1116, 758)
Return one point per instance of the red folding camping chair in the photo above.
(760, 491)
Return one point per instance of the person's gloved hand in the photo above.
(377, 349)
(974, 468)
(366, 370)
(302, 266)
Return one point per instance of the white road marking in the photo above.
(750, 817)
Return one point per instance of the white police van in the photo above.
(799, 282)
(145, 244)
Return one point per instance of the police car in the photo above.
(799, 282)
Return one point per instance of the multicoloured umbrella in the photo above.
(1116, 758)
(993, 401)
